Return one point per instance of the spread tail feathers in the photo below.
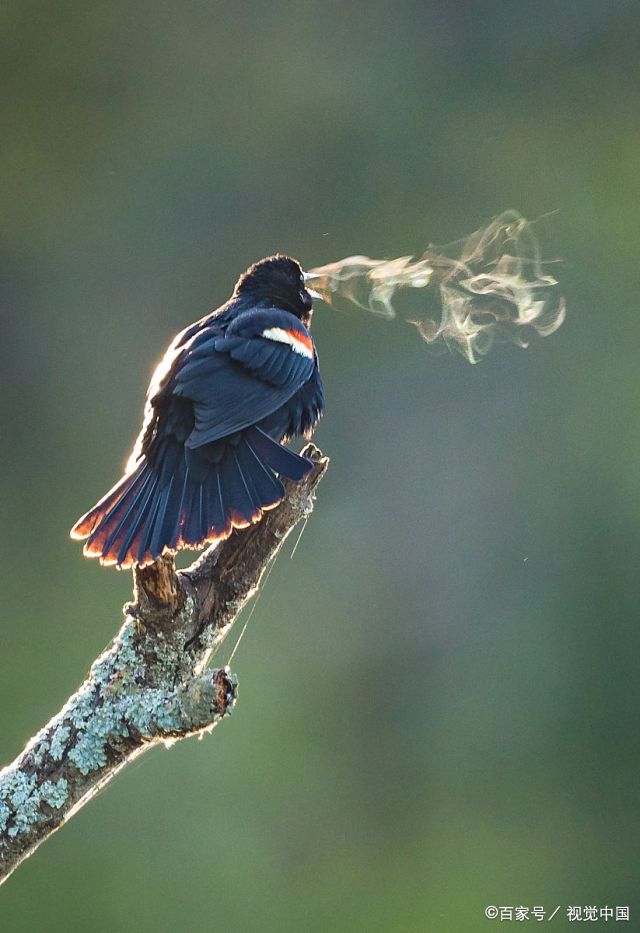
(187, 499)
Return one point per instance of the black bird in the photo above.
(231, 390)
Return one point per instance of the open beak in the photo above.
(309, 277)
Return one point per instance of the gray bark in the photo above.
(151, 684)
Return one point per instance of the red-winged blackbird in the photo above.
(231, 389)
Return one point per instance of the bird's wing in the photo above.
(237, 379)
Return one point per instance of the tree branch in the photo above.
(151, 684)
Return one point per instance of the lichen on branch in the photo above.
(151, 684)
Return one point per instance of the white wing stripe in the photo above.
(286, 336)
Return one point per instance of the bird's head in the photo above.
(278, 279)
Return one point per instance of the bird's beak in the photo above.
(309, 277)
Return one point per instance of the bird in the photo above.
(230, 392)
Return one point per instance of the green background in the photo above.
(439, 693)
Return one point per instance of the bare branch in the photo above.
(151, 684)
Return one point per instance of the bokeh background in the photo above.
(439, 693)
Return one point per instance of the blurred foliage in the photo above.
(439, 694)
